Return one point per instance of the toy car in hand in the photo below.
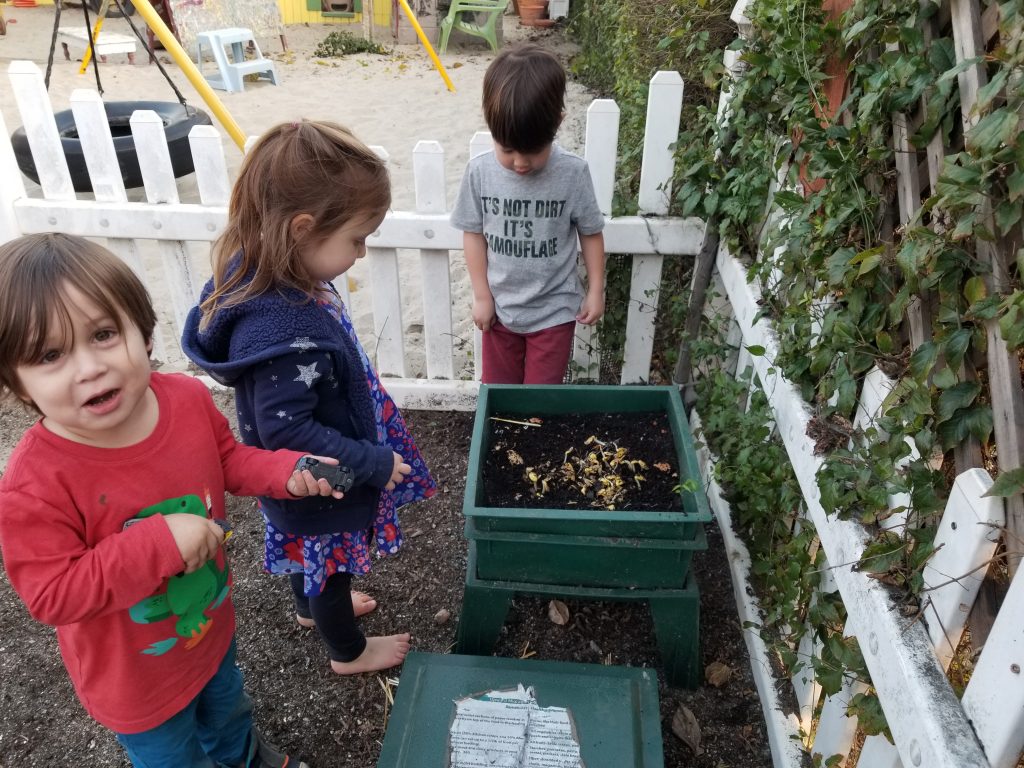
(341, 478)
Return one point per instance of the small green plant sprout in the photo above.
(689, 485)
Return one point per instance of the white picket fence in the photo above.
(906, 656)
(130, 227)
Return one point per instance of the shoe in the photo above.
(263, 754)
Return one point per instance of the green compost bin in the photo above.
(584, 546)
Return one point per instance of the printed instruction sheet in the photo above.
(508, 729)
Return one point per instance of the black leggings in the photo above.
(333, 614)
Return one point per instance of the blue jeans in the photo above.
(212, 731)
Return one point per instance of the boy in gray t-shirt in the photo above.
(521, 208)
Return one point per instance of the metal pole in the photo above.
(426, 44)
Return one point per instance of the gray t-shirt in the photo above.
(530, 224)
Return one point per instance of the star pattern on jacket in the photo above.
(307, 374)
(303, 343)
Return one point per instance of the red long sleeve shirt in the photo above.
(138, 638)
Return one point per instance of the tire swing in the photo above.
(177, 117)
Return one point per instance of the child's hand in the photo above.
(592, 308)
(400, 471)
(304, 484)
(197, 538)
(483, 312)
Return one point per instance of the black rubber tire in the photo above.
(113, 12)
(178, 121)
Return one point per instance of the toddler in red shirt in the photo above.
(109, 508)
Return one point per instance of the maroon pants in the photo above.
(540, 357)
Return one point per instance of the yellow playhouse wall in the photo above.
(295, 12)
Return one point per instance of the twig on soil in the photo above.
(386, 684)
(513, 421)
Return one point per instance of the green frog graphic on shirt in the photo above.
(188, 595)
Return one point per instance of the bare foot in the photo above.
(362, 604)
(380, 653)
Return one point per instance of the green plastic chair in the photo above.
(487, 30)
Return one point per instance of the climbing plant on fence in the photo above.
(894, 242)
(621, 49)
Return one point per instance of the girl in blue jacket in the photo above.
(271, 325)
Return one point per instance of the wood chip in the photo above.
(684, 726)
(718, 674)
(558, 612)
(442, 616)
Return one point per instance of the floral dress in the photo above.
(320, 556)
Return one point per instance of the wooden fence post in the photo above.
(664, 106)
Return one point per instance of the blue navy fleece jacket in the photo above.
(299, 383)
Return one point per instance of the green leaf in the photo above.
(1015, 184)
(789, 201)
(854, 31)
(956, 397)
(944, 378)
(956, 175)
(990, 90)
(1007, 484)
(962, 66)
(978, 422)
(838, 264)
(710, 203)
(986, 309)
(975, 290)
(964, 227)
(882, 554)
(911, 256)
(868, 259)
(954, 347)
(923, 360)
(994, 130)
(1007, 215)
(755, 350)
(920, 401)
(868, 710)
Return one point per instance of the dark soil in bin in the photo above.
(620, 461)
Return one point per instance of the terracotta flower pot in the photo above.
(533, 13)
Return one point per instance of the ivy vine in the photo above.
(841, 272)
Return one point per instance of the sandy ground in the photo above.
(391, 101)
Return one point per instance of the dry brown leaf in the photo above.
(442, 616)
(558, 612)
(684, 726)
(718, 674)
(661, 466)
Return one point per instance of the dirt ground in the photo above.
(339, 722)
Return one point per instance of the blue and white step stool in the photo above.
(232, 69)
